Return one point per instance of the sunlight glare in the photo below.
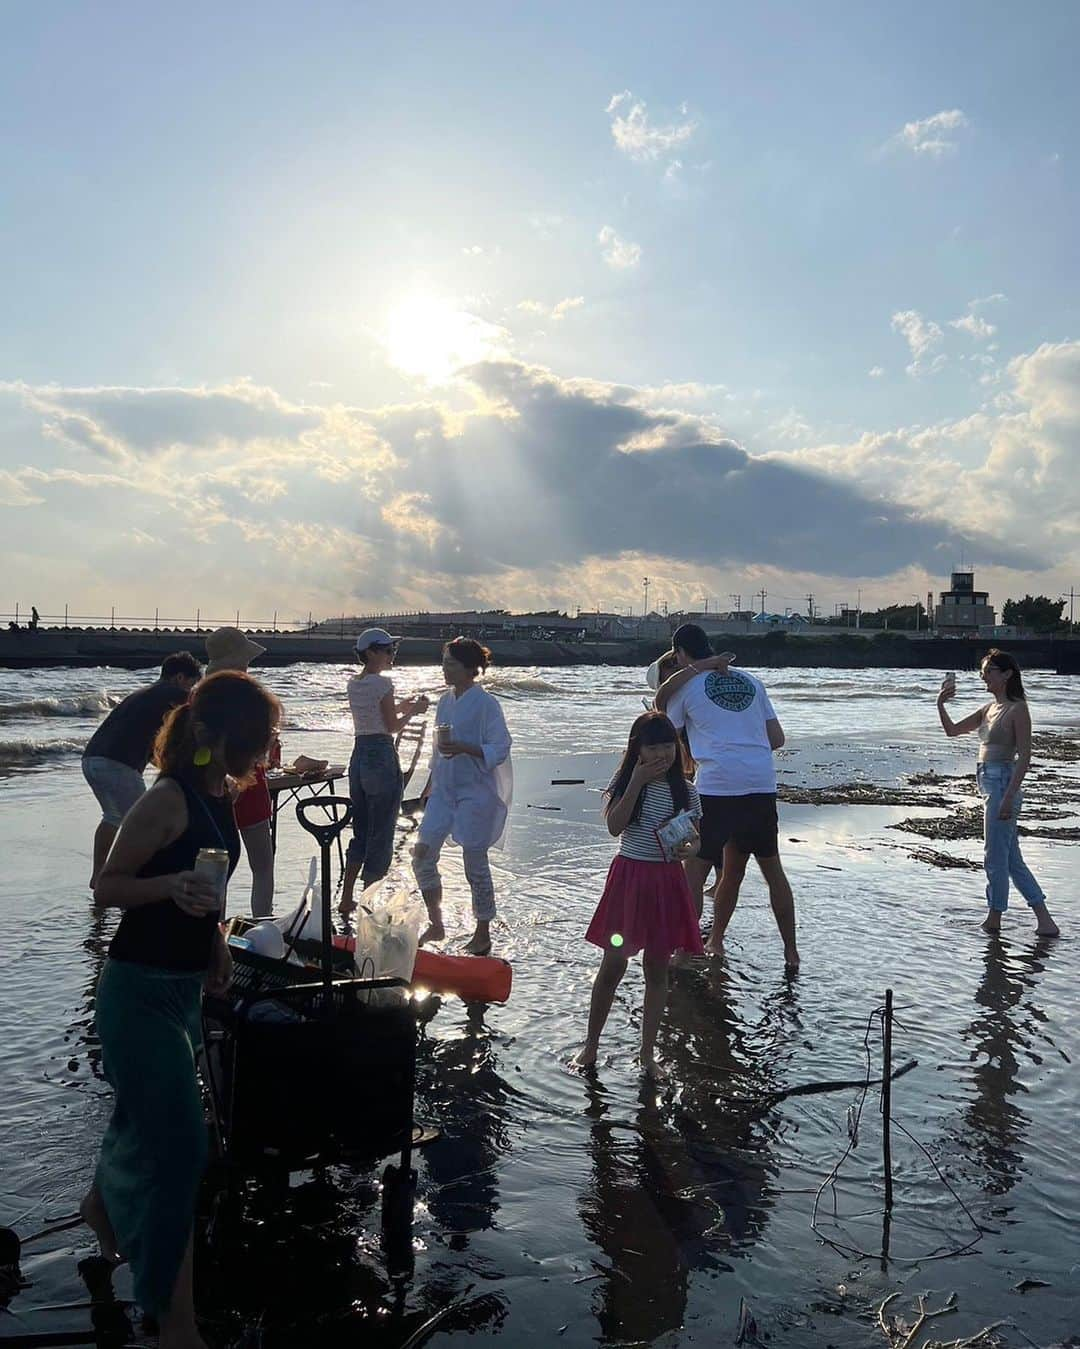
(431, 339)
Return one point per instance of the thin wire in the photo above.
(854, 1120)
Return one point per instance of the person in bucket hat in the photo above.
(230, 649)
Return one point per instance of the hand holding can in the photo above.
(212, 865)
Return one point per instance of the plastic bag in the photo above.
(306, 919)
(387, 934)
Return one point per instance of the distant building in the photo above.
(963, 610)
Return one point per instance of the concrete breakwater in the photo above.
(141, 649)
(136, 650)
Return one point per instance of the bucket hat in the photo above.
(230, 649)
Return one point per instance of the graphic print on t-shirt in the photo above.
(732, 691)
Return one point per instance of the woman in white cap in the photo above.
(231, 649)
(374, 771)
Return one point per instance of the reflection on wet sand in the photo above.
(998, 1037)
(460, 1090)
(676, 1187)
(96, 946)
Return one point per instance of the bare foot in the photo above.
(585, 1058)
(652, 1069)
(347, 907)
(992, 924)
(1046, 927)
(714, 948)
(791, 960)
(433, 932)
(92, 1210)
(479, 944)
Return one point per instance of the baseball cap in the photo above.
(374, 637)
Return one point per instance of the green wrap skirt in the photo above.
(154, 1151)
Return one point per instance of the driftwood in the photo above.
(900, 1335)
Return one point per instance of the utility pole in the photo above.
(810, 607)
(738, 601)
(763, 593)
(918, 606)
(645, 610)
(858, 608)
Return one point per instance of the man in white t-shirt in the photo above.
(733, 731)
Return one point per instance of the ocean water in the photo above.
(555, 1208)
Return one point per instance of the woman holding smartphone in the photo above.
(1004, 727)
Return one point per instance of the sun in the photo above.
(431, 339)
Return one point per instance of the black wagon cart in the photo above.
(308, 1063)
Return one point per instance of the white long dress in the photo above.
(470, 797)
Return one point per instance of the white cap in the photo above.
(374, 637)
(652, 674)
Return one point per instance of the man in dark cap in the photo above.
(733, 731)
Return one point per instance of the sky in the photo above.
(347, 308)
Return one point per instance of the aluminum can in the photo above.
(444, 734)
(213, 863)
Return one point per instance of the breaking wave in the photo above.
(521, 684)
(25, 753)
(82, 705)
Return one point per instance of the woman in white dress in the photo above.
(468, 792)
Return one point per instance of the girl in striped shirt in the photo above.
(646, 905)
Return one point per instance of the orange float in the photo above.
(472, 978)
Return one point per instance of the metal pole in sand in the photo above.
(886, 1100)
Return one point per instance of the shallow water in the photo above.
(603, 1212)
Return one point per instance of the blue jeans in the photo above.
(1001, 855)
(375, 787)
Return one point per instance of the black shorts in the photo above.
(749, 822)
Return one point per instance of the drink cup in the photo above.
(444, 734)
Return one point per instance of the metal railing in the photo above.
(26, 616)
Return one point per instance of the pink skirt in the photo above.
(648, 905)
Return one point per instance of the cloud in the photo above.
(923, 337)
(876, 371)
(117, 421)
(14, 492)
(556, 312)
(637, 136)
(524, 485)
(572, 471)
(564, 307)
(618, 253)
(974, 325)
(1008, 472)
(933, 136)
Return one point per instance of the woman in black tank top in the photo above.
(167, 946)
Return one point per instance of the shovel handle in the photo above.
(339, 808)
